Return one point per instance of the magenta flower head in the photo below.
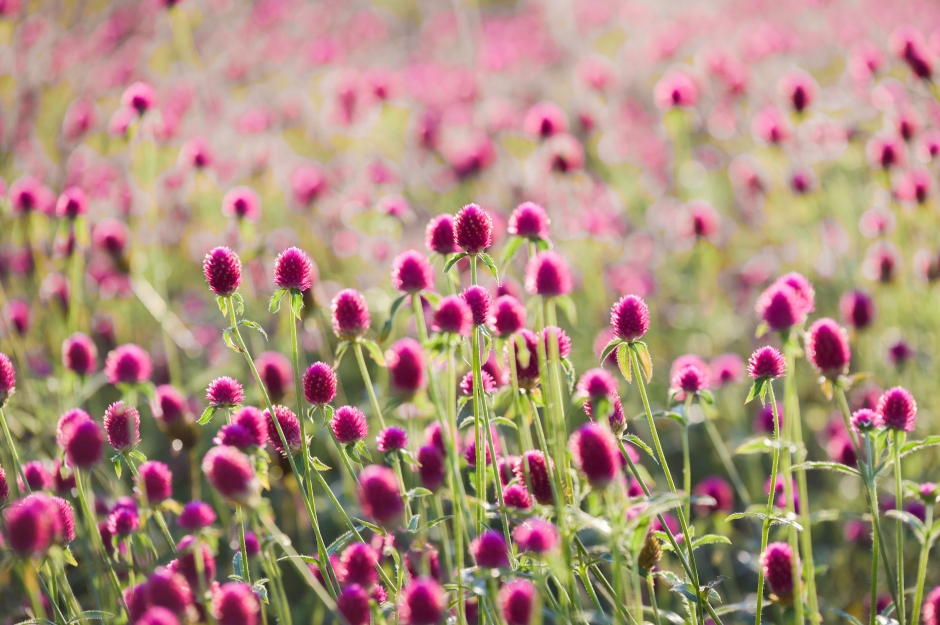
(865, 420)
(777, 563)
(231, 473)
(110, 236)
(543, 120)
(439, 236)
(122, 425)
(128, 364)
(479, 301)
(353, 604)
(898, 409)
(507, 316)
(766, 363)
(349, 425)
(391, 439)
(242, 203)
(689, 378)
(806, 294)
(561, 338)
(931, 610)
(7, 379)
(225, 392)
(72, 203)
(596, 384)
(123, 521)
(223, 270)
(490, 551)
(185, 563)
(32, 524)
(453, 316)
(79, 354)
(630, 318)
(799, 89)
(466, 384)
(293, 269)
(533, 469)
(858, 309)
(358, 564)
(827, 348)
(517, 600)
(168, 405)
(196, 515)
(547, 274)
(4, 487)
(139, 97)
(350, 315)
(319, 384)
(779, 307)
(516, 496)
(289, 425)
(37, 476)
(536, 536)
(907, 44)
(411, 272)
(196, 152)
(529, 221)
(595, 453)
(473, 229)
(379, 495)
(431, 467)
(236, 604)
(676, 89)
(18, 315)
(84, 445)
(423, 602)
(406, 367)
(155, 481)
(67, 423)
(276, 373)
(726, 369)
(66, 532)
(718, 489)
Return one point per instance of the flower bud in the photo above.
(596, 455)
(767, 363)
(223, 271)
(122, 425)
(490, 551)
(350, 315)
(536, 537)
(379, 495)
(293, 269)
(827, 348)
(231, 473)
(529, 221)
(473, 229)
(225, 392)
(507, 316)
(439, 236)
(128, 364)
(630, 318)
(423, 602)
(156, 481)
(319, 384)
(349, 425)
(547, 274)
(406, 367)
(411, 272)
(898, 409)
(84, 445)
(79, 354)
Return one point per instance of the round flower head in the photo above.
(516, 496)
(7, 379)
(225, 392)
(453, 316)
(806, 295)
(79, 354)
(466, 384)
(473, 229)
(547, 274)
(595, 453)
(423, 602)
(168, 405)
(538, 467)
(72, 203)
(128, 364)
(37, 476)
(158, 615)
(560, 336)
(726, 369)
(827, 348)
(866, 420)
(718, 489)
(185, 563)
(223, 270)
(66, 532)
(196, 152)
(358, 564)
(615, 418)
(196, 515)
(490, 551)
(799, 88)
(439, 236)
(777, 562)
(122, 425)
(242, 203)
(168, 589)
(431, 467)
(156, 481)
(17, 316)
(406, 367)
(517, 600)
(898, 409)
(319, 384)
(630, 318)
(231, 473)
(290, 426)
(676, 89)
(253, 423)
(411, 272)
(779, 306)
(84, 445)
(276, 373)
(597, 384)
(4, 487)
(123, 521)
(767, 363)
(139, 97)
(907, 44)
(67, 423)
(110, 236)
(479, 301)
(349, 425)
(391, 439)
(353, 604)
(857, 308)
(529, 221)
(690, 378)
(379, 495)
(293, 269)
(32, 524)
(543, 120)
(507, 316)
(536, 537)
(350, 315)
(931, 610)
(236, 604)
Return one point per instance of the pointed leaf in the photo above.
(635, 440)
(207, 415)
(643, 355)
(608, 349)
(116, 461)
(509, 252)
(832, 466)
(275, 304)
(254, 325)
(296, 302)
(623, 361)
(375, 352)
(340, 350)
(387, 328)
(488, 261)
(453, 261)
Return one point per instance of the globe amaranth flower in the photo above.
(516, 496)
(7, 379)
(431, 468)
(156, 481)
(439, 235)
(470, 447)
(110, 236)
(479, 301)
(689, 378)
(517, 601)
(319, 384)
(533, 469)
(630, 318)
(391, 439)
(529, 221)
(490, 551)
(225, 392)
(767, 363)
(827, 348)
(353, 604)
(79, 354)
(779, 307)
(406, 367)
(128, 364)
(547, 274)
(898, 409)
(293, 269)
(507, 316)
(726, 369)
(84, 444)
(799, 88)
(72, 203)
(32, 524)
(289, 425)
(139, 97)
(466, 384)
(196, 515)
(350, 315)
(4, 487)
(379, 495)
(777, 563)
(453, 316)
(411, 272)
(231, 473)
(276, 374)
(122, 425)
(223, 270)
(473, 229)
(358, 565)
(123, 521)
(349, 425)
(596, 454)
(242, 203)
(596, 384)
(37, 476)
(185, 563)
(716, 488)
(423, 602)
(536, 536)
(17, 315)
(236, 603)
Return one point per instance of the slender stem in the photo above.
(922, 568)
(725, 456)
(367, 379)
(765, 528)
(899, 501)
(96, 537)
(686, 456)
(875, 538)
(493, 592)
(615, 534)
(298, 393)
(12, 447)
(240, 515)
(479, 436)
(456, 481)
(652, 592)
(792, 423)
(157, 514)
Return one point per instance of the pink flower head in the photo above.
(675, 89)
(466, 384)
(110, 236)
(764, 420)
(507, 316)
(767, 363)
(84, 446)
(379, 495)
(79, 118)
(931, 609)
(63, 478)
(431, 467)
(929, 145)
(406, 367)
(898, 409)
(196, 515)
(17, 316)
(865, 420)
(914, 186)
(857, 308)
(72, 203)
(37, 476)
(276, 373)
(139, 97)
(32, 524)
(490, 551)
(168, 405)
(726, 369)
(907, 123)
(231, 473)
(439, 236)
(350, 315)
(907, 44)
(802, 180)
(780, 307)
(630, 318)
(391, 439)
(595, 453)
(254, 422)
(865, 60)
(882, 261)
(122, 425)
(544, 120)
(349, 425)
(453, 316)
(353, 604)
(703, 220)
(7, 379)
(718, 489)
(527, 373)
(319, 384)
(827, 348)
(597, 384)
(124, 521)
(547, 274)
(168, 589)
(290, 426)
(4, 487)
(885, 151)
(517, 601)
(307, 183)
(799, 89)
(479, 301)
(470, 448)
(473, 229)
(26, 195)
(690, 378)
(777, 562)
(771, 126)
(560, 336)
(225, 392)
(293, 269)
(67, 423)
(533, 469)
(423, 602)
(236, 604)
(223, 271)
(411, 272)
(185, 563)
(79, 354)
(806, 295)
(899, 352)
(242, 203)
(358, 564)
(564, 153)
(156, 481)
(536, 536)
(197, 153)
(529, 221)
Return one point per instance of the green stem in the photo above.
(456, 481)
(726, 458)
(875, 538)
(240, 515)
(794, 438)
(201, 574)
(157, 514)
(12, 447)
(686, 456)
(652, 592)
(899, 500)
(96, 537)
(615, 534)
(367, 379)
(765, 528)
(922, 568)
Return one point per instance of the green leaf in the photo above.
(643, 355)
(254, 325)
(67, 555)
(118, 465)
(415, 493)
(488, 261)
(635, 440)
(846, 616)
(227, 337)
(568, 307)
(340, 350)
(915, 446)
(275, 304)
(431, 524)
(296, 302)
(223, 305)
(136, 455)
(509, 252)
(318, 464)
(908, 519)
(387, 328)
(707, 397)
(832, 466)
(775, 519)
(762, 329)
(710, 539)
(96, 615)
(569, 373)
(260, 591)
(375, 352)
(239, 303)
(608, 349)
(238, 565)
(453, 261)
(756, 390)
(504, 421)
(759, 445)
(207, 415)
(466, 422)
(371, 526)
(413, 523)
(623, 361)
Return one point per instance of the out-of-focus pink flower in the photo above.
(676, 89)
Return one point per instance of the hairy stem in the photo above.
(765, 528)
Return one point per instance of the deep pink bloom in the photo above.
(490, 551)
(914, 186)
(453, 316)
(898, 409)
(885, 151)
(544, 120)
(479, 301)
(865, 420)
(293, 269)
(431, 467)
(547, 274)
(66, 521)
(777, 562)
(630, 318)
(770, 126)
(235, 604)
(423, 602)
(156, 480)
(597, 384)
(7, 378)
(185, 563)
(196, 152)
(516, 496)
(225, 392)
(110, 236)
(439, 236)
(223, 270)
(391, 439)
(508, 316)
(858, 309)
(319, 384)
(528, 372)
(802, 180)
(168, 404)
(799, 88)
(560, 336)
(72, 203)
(379, 495)
(290, 426)
(4, 487)
(80, 117)
(254, 423)
(84, 445)
(907, 44)
(827, 348)
(231, 473)
(37, 476)
(406, 367)
(79, 354)
(307, 183)
(675, 89)
(690, 378)
(196, 515)
(358, 564)
(349, 425)
(536, 536)
(473, 229)
(18, 315)
(32, 524)
(718, 489)
(539, 482)
(726, 369)
(353, 604)
(596, 454)
(517, 600)
(123, 521)
(122, 425)
(242, 203)
(276, 374)
(139, 97)
(128, 364)
(767, 362)
(931, 610)
(67, 423)
(350, 315)
(530, 221)
(703, 220)
(779, 306)
(466, 384)
(411, 272)
(882, 261)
